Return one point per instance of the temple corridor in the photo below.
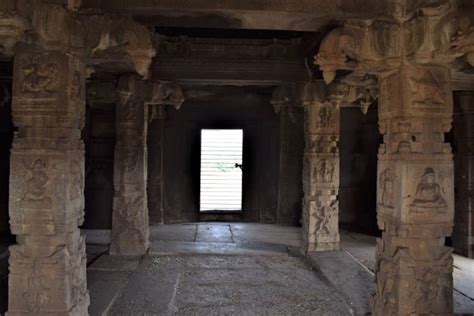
(250, 157)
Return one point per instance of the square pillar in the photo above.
(321, 176)
(463, 127)
(415, 193)
(130, 226)
(48, 263)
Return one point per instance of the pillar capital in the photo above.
(354, 90)
(409, 33)
(162, 93)
(96, 38)
(13, 27)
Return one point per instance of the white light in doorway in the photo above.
(221, 170)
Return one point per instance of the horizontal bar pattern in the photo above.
(221, 181)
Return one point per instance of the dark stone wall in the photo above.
(221, 107)
(359, 142)
(99, 138)
(273, 156)
(6, 137)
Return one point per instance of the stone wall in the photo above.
(358, 147)
(222, 107)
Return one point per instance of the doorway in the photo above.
(221, 170)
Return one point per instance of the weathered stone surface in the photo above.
(409, 49)
(161, 95)
(48, 265)
(130, 230)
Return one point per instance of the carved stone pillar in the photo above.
(409, 49)
(48, 263)
(320, 170)
(291, 115)
(130, 227)
(162, 95)
(463, 233)
(415, 197)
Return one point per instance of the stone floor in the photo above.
(362, 248)
(213, 269)
(241, 269)
(237, 269)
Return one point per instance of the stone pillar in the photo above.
(130, 227)
(320, 170)
(48, 263)
(163, 94)
(463, 234)
(291, 115)
(410, 48)
(155, 164)
(415, 197)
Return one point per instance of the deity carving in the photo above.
(37, 294)
(324, 216)
(385, 284)
(428, 192)
(316, 144)
(324, 171)
(38, 77)
(427, 290)
(325, 116)
(386, 183)
(35, 196)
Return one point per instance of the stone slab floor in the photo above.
(213, 269)
(241, 269)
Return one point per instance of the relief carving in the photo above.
(387, 185)
(385, 285)
(429, 89)
(39, 77)
(38, 292)
(429, 193)
(35, 196)
(324, 217)
(427, 290)
(326, 116)
(324, 171)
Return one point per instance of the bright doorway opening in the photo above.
(221, 170)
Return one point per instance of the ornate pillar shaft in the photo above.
(321, 175)
(130, 227)
(463, 234)
(48, 263)
(415, 198)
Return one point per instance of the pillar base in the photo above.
(323, 246)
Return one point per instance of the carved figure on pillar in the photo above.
(321, 168)
(410, 50)
(48, 265)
